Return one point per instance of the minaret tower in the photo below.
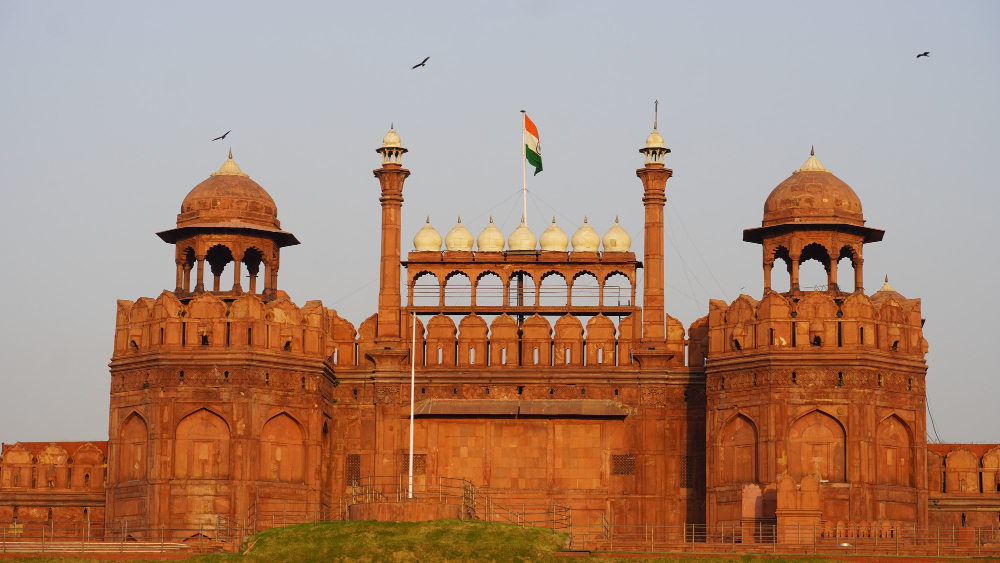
(391, 177)
(654, 178)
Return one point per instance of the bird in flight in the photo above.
(223, 136)
(924, 54)
(421, 63)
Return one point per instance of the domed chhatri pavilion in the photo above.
(539, 380)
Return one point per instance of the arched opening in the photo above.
(553, 291)
(426, 290)
(814, 263)
(457, 290)
(521, 290)
(219, 257)
(586, 290)
(894, 464)
(489, 290)
(845, 270)
(252, 259)
(201, 449)
(781, 254)
(282, 456)
(817, 447)
(132, 458)
(617, 290)
(739, 451)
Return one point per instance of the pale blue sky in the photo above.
(107, 109)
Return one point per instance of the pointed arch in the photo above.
(201, 447)
(282, 450)
(132, 454)
(817, 446)
(894, 443)
(738, 451)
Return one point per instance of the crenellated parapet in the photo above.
(818, 321)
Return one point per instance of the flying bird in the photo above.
(224, 136)
(924, 54)
(421, 63)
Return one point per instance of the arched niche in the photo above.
(132, 450)
(962, 472)
(738, 451)
(282, 450)
(201, 447)
(817, 447)
(894, 461)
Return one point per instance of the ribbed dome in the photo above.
(458, 238)
(585, 239)
(391, 139)
(616, 239)
(491, 239)
(554, 239)
(427, 239)
(522, 238)
(813, 194)
(228, 195)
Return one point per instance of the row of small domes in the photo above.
(585, 239)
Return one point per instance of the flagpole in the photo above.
(413, 376)
(524, 174)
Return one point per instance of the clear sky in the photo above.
(107, 111)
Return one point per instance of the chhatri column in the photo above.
(391, 177)
(180, 277)
(654, 178)
(201, 273)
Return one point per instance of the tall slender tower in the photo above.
(654, 178)
(391, 177)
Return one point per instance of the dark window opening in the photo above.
(817, 341)
(50, 517)
(184, 334)
(354, 469)
(840, 379)
(86, 480)
(69, 477)
(755, 379)
(225, 375)
(909, 384)
(487, 390)
(228, 331)
(34, 477)
(880, 380)
(355, 392)
(623, 464)
(736, 344)
(862, 336)
(182, 376)
(793, 335)
(840, 333)
(771, 332)
(454, 391)
(583, 391)
(722, 383)
(963, 517)
(303, 383)
(520, 389)
(795, 379)
(687, 471)
(161, 335)
(423, 390)
(288, 346)
(204, 340)
(249, 337)
(895, 345)
(616, 392)
(267, 378)
(552, 391)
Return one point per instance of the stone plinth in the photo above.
(403, 511)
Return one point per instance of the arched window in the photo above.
(739, 451)
(894, 465)
(132, 458)
(282, 450)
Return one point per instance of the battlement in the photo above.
(817, 320)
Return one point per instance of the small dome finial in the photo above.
(428, 220)
(812, 150)
(887, 278)
(584, 218)
(230, 153)
(553, 219)
(459, 219)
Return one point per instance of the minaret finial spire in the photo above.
(656, 111)
(230, 153)
(812, 150)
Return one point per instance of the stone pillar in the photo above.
(391, 177)
(654, 180)
(267, 279)
(201, 273)
(831, 276)
(794, 285)
(237, 288)
(767, 274)
(187, 277)
(859, 278)
(180, 278)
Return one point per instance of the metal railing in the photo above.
(128, 537)
(880, 538)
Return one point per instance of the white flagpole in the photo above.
(524, 173)
(413, 376)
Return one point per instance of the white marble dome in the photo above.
(458, 238)
(554, 239)
(427, 239)
(391, 139)
(491, 239)
(616, 239)
(522, 238)
(586, 239)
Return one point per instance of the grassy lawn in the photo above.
(431, 542)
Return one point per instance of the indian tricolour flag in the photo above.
(532, 150)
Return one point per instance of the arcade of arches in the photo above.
(538, 376)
